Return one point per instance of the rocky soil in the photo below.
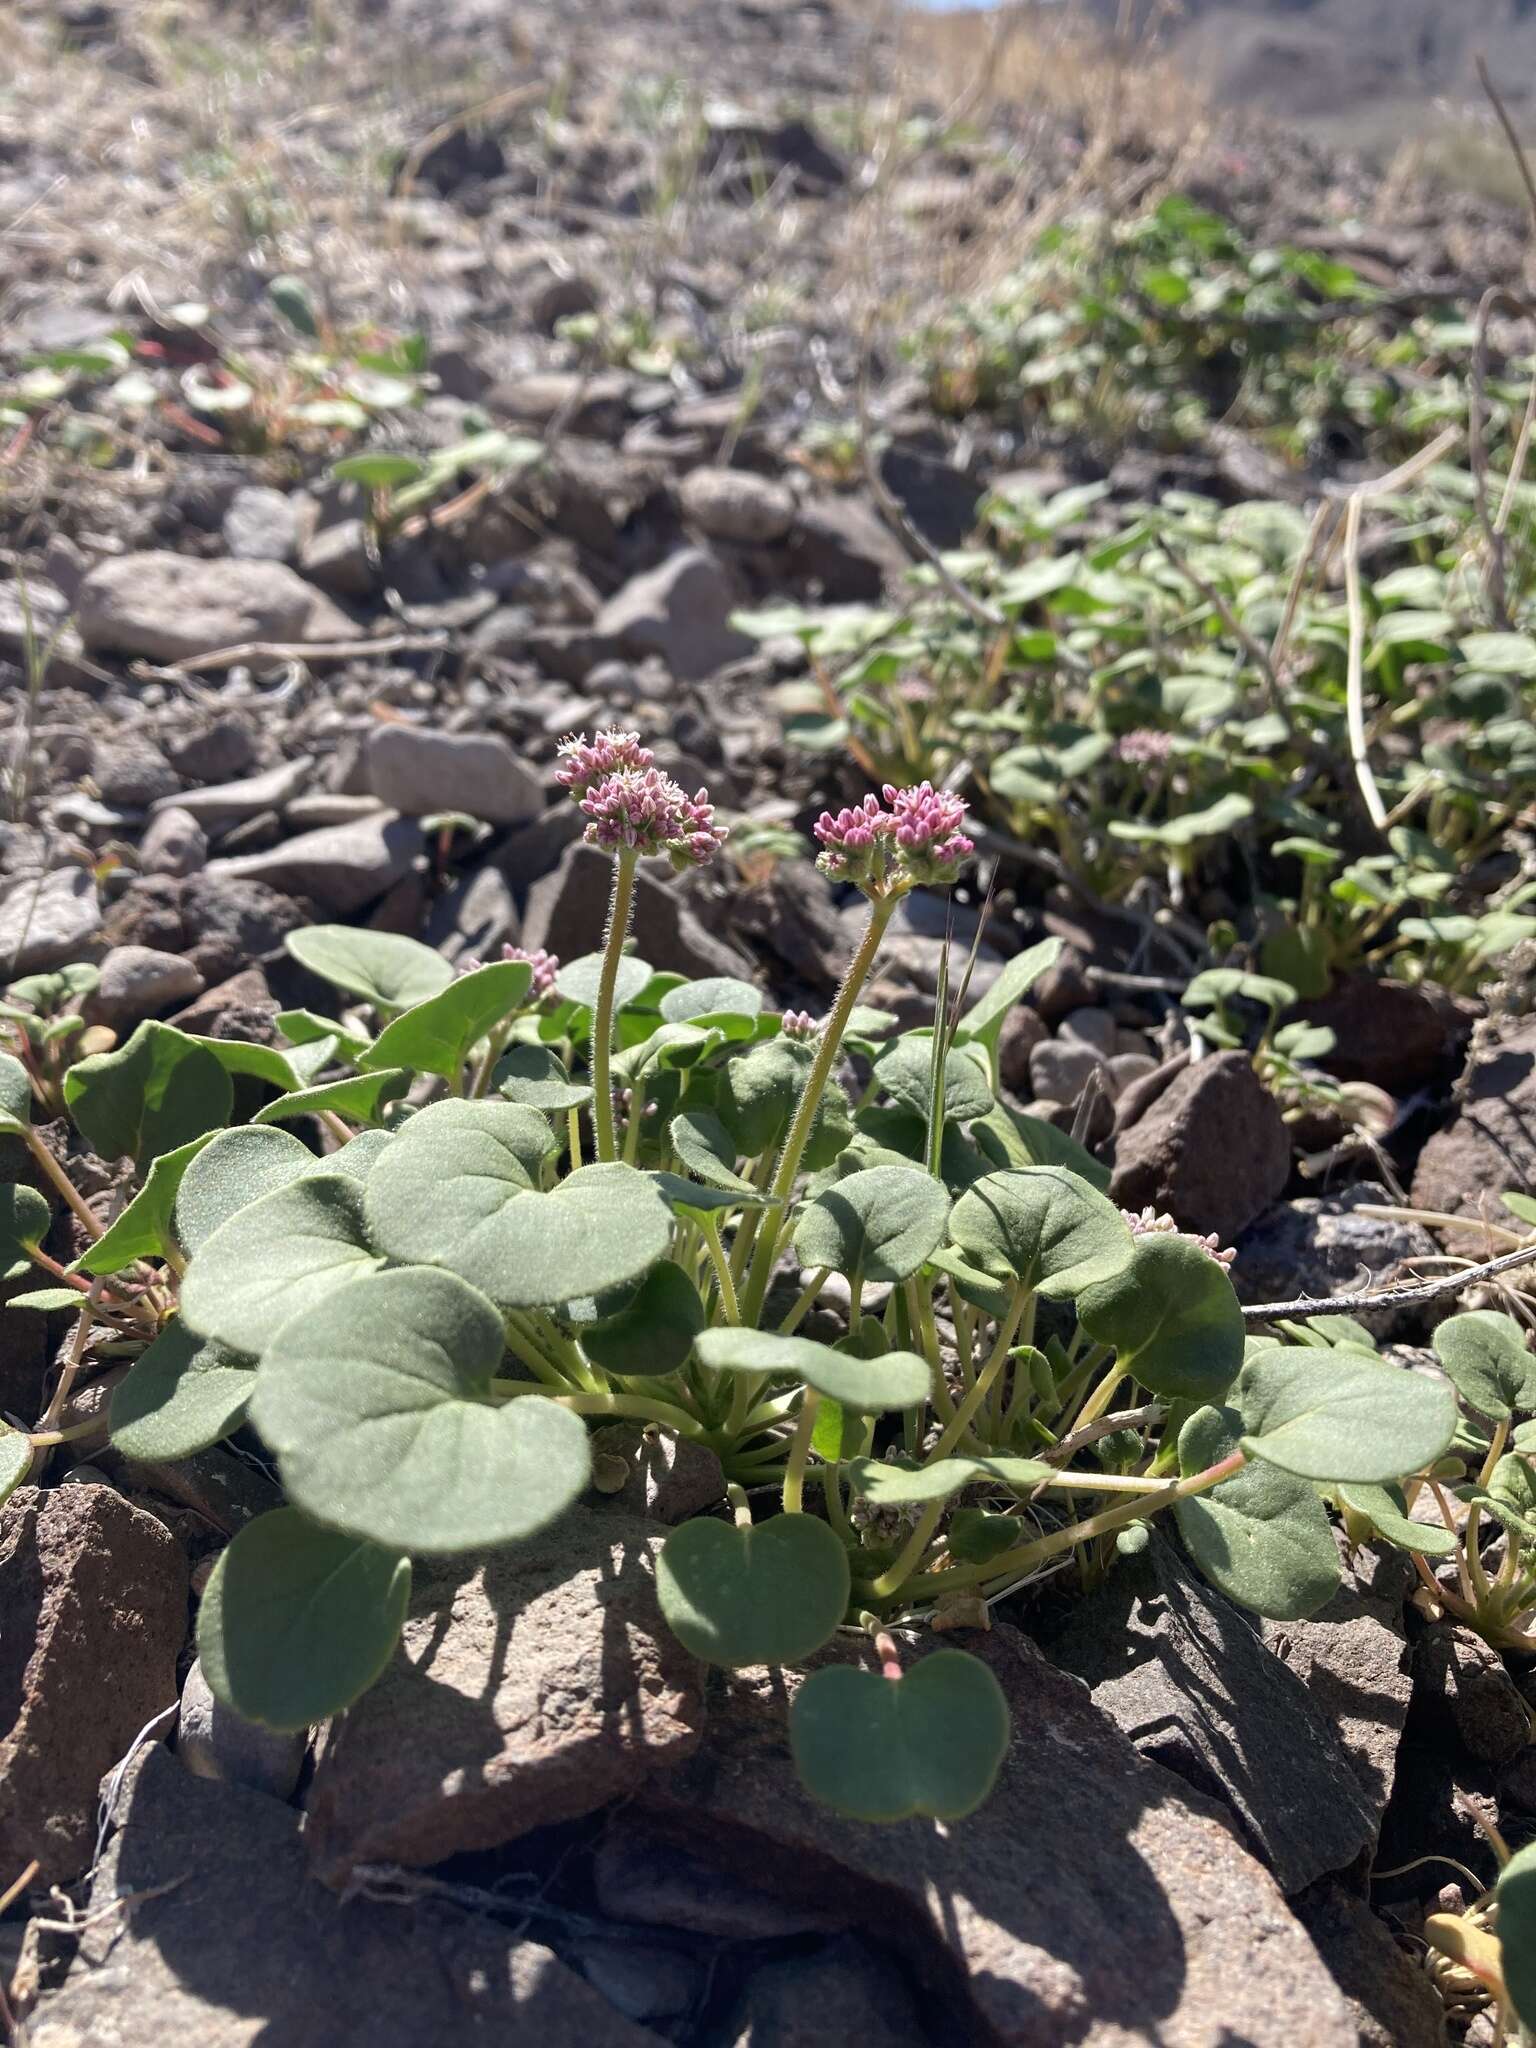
(547, 1823)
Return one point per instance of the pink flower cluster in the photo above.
(1149, 1224)
(545, 967)
(799, 1024)
(918, 839)
(631, 804)
(1144, 747)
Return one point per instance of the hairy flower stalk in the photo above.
(885, 853)
(632, 810)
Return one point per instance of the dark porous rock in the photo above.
(1462, 1687)
(843, 550)
(1395, 2004)
(223, 1492)
(670, 1478)
(1436, 1803)
(791, 912)
(1490, 1145)
(939, 499)
(93, 1613)
(1061, 1068)
(734, 505)
(679, 610)
(1353, 1659)
(567, 912)
(262, 525)
(1063, 987)
(1185, 1675)
(213, 1741)
(1517, 1784)
(645, 1980)
(230, 921)
(48, 921)
(1022, 1031)
(1321, 1245)
(531, 851)
(218, 749)
(231, 1943)
(843, 1992)
(528, 1690)
(641, 1873)
(1092, 1899)
(242, 1007)
(131, 773)
(475, 918)
(342, 867)
(1390, 1034)
(1212, 1150)
(174, 844)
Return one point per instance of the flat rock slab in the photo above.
(170, 608)
(422, 772)
(48, 922)
(341, 867)
(1187, 1678)
(529, 1690)
(93, 1612)
(229, 1944)
(1092, 1901)
(680, 610)
(1212, 1150)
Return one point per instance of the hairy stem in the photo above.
(619, 908)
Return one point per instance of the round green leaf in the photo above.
(1262, 1537)
(1515, 1896)
(1173, 1318)
(691, 1195)
(759, 1093)
(376, 1407)
(455, 1190)
(234, 1168)
(654, 1332)
(297, 1621)
(900, 1483)
(1387, 1511)
(881, 1223)
(1487, 1360)
(532, 1076)
(15, 1460)
(880, 1749)
(771, 1594)
(15, 1095)
(24, 1221)
(904, 1072)
(578, 980)
(278, 1257)
(157, 1092)
(182, 1394)
(707, 1149)
(358, 1157)
(1338, 1416)
(435, 1037)
(1042, 1226)
(386, 970)
(901, 1379)
(717, 998)
(362, 1097)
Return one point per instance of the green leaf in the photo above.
(152, 1095)
(1511, 1494)
(690, 1196)
(143, 1230)
(901, 1379)
(455, 1190)
(297, 1621)
(388, 971)
(1188, 827)
(261, 1062)
(305, 1028)
(361, 1097)
(378, 469)
(1500, 654)
(878, 1749)
(904, 1072)
(1515, 1896)
(435, 1037)
(279, 1257)
(984, 1020)
(230, 1170)
(24, 1221)
(1173, 1318)
(1041, 1226)
(15, 1095)
(578, 980)
(1010, 1137)
(1387, 1511)
(290, 296)
(717, 999)
(759, 1093)
(376, 1405)
(1486, 1359)
(47, 1300)
(15, 1460)
(770, 1594)
(881, 1223)
(1261, 1537)
(358, 1157)
(901, 1483)
(182, 1394)
(977, 1537)
(704, 1145)
(1339, 1416)
(533, 1076)
(652, 1334)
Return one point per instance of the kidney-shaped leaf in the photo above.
(881, 1223)
(376, 1406)
(1173, 1319)
(1386, 1509)
(1335, 1415)
(435, 1037)
(15, 1095)
(277, 1258)
(455, 1189)
(900, 1379)
(883, 1749)
(232, 1169)
(534, 1077)
(653, 1333)
(771, 1594)
(578, 980)
(363, 1097)
(391, 972)
(298, 1621)
(985, 1018)
(1042, 1226)
(15, 1459)
(1487, 1359)
(904, 1072)
(182, 1394)
(157, 1092)
(24, 1221)
(902, 1483)
(707, 1149)
(1261, 1537)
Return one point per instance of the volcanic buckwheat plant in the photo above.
(540, 1196)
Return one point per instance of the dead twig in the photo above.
(1390, 1297)
(306, 651)
(1495, 567)
(1517, 148)
(1256, 652)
